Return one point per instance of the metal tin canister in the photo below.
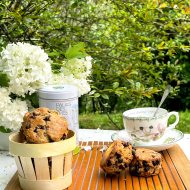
(64, 99)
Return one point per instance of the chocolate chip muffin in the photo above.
(146, 163)
(117, 157)
(43, 126)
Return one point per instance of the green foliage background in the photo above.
(138, 47)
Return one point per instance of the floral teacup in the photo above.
(146, 129)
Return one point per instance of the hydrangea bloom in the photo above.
(4, 98)
(26, 66)
(74, 72)
(79, 68)
(11, 112)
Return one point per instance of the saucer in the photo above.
(168, 140)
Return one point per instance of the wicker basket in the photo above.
(43, 166)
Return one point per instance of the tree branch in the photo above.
(108, 114)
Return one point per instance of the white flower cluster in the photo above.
(11, 112)
(26, 66)
(74, 72)
(28, 69)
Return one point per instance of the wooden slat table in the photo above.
(87, 173)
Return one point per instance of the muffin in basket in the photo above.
(43, 126)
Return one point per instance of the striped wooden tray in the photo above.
(87, 173)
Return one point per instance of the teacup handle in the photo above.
(172, 126)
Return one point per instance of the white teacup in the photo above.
(146, 129)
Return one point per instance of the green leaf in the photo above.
(34, 99)
(79, 56)
(138, 101)
(118, 92)
(4, 80)
(138, 85)
(76, 50)
(16, 15)
(96, 95)
(115, 85)
(54, 54)
(3, 130)
(105, 96)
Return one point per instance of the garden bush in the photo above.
(138, 47)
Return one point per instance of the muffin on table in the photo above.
(117, 157)
(146, 163)
(43, 126)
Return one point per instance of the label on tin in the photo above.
(67, 109)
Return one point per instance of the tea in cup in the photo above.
(141, 124)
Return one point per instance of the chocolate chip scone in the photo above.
(146, 163)
(117, 157)
(43, 126)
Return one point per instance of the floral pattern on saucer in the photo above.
(168, 140)
(147, 134)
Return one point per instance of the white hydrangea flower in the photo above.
(80, 68)
(11, 117)
(26, 66)
(4, 98)
(81, 84)
(74, 72)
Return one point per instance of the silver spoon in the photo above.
(166, 92)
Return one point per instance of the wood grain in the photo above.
(181, 164)
(87, 174)
(41, 150)
(57, 166)
(42, 168)
(28, 168)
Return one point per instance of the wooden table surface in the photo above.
(87, 173)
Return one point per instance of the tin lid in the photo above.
(58, 92)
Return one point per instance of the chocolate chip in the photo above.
(63, 137)
(154, 163)
(133, 152)
(42, 127)
(157, 162)
(121, 167)
(35, 130)
(145, 163)
(142, 151)
(120, 160)
(32, 117)
(109, 163)
(28, 126)
(118, 155)
(137, 167)
(49, 112)
(125, 145)
(146, 169)
(126, 165)
(134, 148)
(138, 172)
(153, 156)
(46, 118)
